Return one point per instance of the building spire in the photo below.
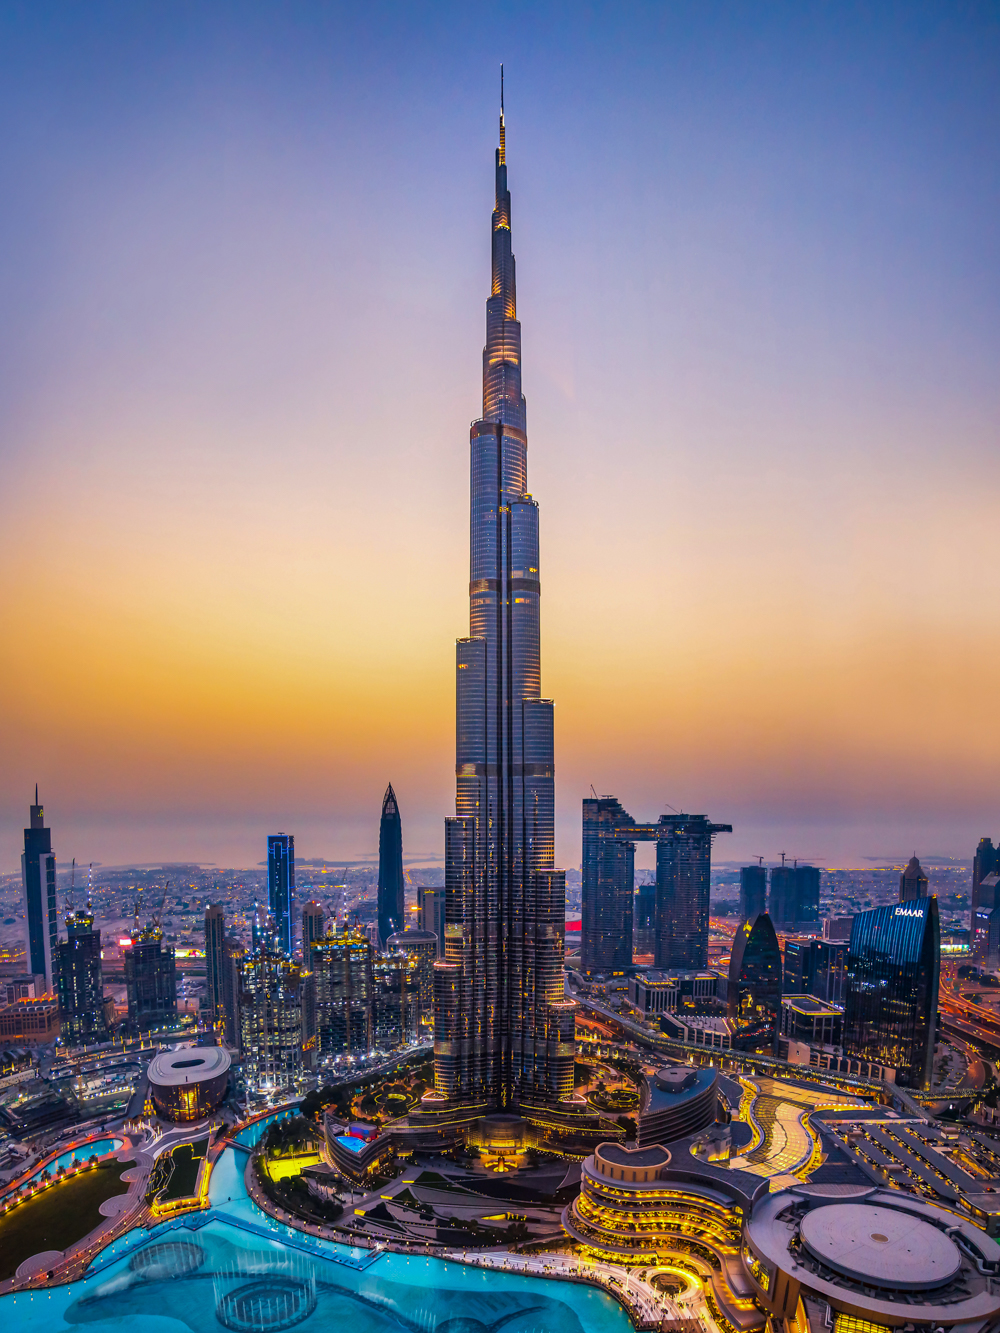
(503, 154)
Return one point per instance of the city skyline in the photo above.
(770, 605)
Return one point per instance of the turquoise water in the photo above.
(355, 1145)
(235, 1268)
(253, 1134)
(79, 1154)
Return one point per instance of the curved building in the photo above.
(864, 1257)
(893, 969)
(190, 1083)
(677, 1101)
(755, 984)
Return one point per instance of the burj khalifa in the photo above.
(503, 1028)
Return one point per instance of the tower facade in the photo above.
(391, 901)
(753, 891)
(281, 887)
(220, 971)
(893, 973)
(608, 885)
(503, 1029)
(912, 882)
(38, 884)
(80, 982)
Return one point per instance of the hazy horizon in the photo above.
(244, 256)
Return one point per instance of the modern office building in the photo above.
(608, 883)
(985, 862)
(220, 971)
(313, 926)
(683, 878)
(794, 896)
(343, 976)
(430, 913)
(281, 887)
(80, 982)
(893, 967)
(816, 967)
(807, 1019)
(754, 991)
(391, 881)
(507, 1038)
(912, 882)
(396, 1001)
(753, 891)
(420, 946)
(683, 883)
(271, 1010)
(150, 981)
(38, 884)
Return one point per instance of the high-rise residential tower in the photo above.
(608, 888)
(281, 887)
(391, 900)
(220, 970)
(753, 891)
(985, 862)
(912, 882)
(430, 913)
(313, 927)
(503, 1028)
(683, 882)
(38, 883)
(80, 981)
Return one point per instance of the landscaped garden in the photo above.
(59, 1216)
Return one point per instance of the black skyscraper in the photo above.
(986, 862)
(753, 891)
(608, 879)
(754, 995)
(80, 982)
(893, 968)
(38, 882)
(683, 873)
(391, 904)
(281, 888)
(912, 882)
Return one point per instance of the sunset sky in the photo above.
(244, 257)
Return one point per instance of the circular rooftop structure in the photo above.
(883, 1256)
(189, 1083)
(676, 1101)
(880, 1246)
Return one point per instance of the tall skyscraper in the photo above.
(391, 899)
(272, 1013)
(313, 927)
(38, 883)
(281, 887)
(912, 882)
(985, 862)
(794, 899)
(430, 913)
(608, 888)
(893, 971)
(506, 1032)
(683, 890)
(343, 972)
(754, 992)
(220, 970)
(683, 882)
(753, 891)
(80, 982)
(150, 981)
